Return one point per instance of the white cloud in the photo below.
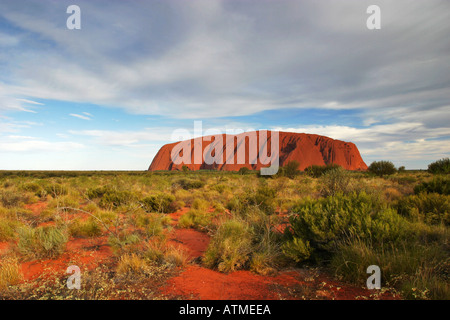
(28, 145)
(79, 116)
(402, 142)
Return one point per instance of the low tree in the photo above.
(291, 169)
(382, 168)
(244, 170)
(440, 166)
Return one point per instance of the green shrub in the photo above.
(195, 218)
(318, 225)
(94, 193)
(440, 166)
(263, 198)
(162, 202)
(316, 170)
(417, 271)
(88, 228)
(335, 181)
(124, 242)
(116, 198)
(42, 242)
(153, 223)
(56, 190)
(244, 170)
(188, 184)
(431, 208)
(12, 198)
(439, 185)
(7, 228)
(291, 169)
(382, 168)
(230, 247)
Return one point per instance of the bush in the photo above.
(316, 171)
(291, 169)
(42, 242)
(195, 218)
(110, 197)
(153, 223)
(440, 166)
(116, 198)
(431, 208)
(382, 168)
(7, 228)
(244, 170)
(263, 198)
(124, 242)
(318, 225)
(88, 228)
(188, 184)
(416, 270)
(11, 198)
(335, 181)
(56, 190)
(439, 185)
(164, 203)
(230, 247)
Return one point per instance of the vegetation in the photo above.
(441, 166)
(327, 218)
(382, 168)
(316, 171)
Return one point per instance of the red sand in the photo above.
(196, 282)
(85, 253)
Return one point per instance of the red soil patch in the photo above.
(85, 253)
(4, 246)
(194, 242)
(200, 283)
(196, 282)
(175, 216)
(37, 207)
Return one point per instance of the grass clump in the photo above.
(163, 203)
(439, 185)
(153, 223)
(9, 272)
(42, 242)
(188, 184)
(335, 181)
(230, 247)
(431, 208)
(85, 229)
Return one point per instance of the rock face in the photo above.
(227, 152)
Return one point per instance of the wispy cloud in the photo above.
(79, 116)
(31, 102)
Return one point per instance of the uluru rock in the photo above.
(227, 152)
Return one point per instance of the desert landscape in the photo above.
(224, 157)
(226, 235)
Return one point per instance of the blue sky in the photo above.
(108, 96)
